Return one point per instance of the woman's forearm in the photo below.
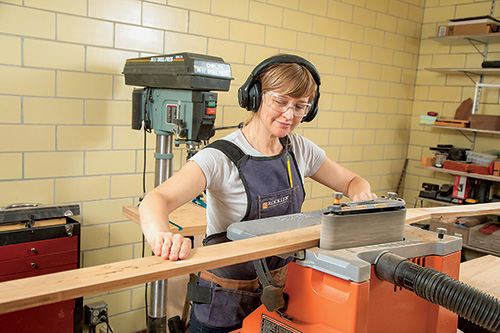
(153, 213)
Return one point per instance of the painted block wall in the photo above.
(65, 111)
(443, 93)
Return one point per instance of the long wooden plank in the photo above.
(50, 288)
(45, 289)
(419, 214)
(193, 220)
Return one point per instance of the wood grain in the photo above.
(27, 293)
(483, 273)
(419, 214)
(189, 219)
(37, 224)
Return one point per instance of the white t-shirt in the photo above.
(226, 197)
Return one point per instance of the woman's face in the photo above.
(279, 123)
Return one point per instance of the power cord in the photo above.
(103, 317)
(140, 199)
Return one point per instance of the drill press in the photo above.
(176, 101)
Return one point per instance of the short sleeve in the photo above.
(309, 155)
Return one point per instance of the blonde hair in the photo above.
(290, 79)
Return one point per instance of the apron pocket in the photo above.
(228, 307)
(274, 204)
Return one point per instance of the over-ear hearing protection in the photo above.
(249, 94)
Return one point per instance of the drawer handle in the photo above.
(33, 265)
(33, 250)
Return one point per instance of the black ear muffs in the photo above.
(249, 94)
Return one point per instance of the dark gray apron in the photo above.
(269, 193)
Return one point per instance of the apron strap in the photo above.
(263, 273)
(232, 151)
(273, 297)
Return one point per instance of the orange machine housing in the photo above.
(320, 302)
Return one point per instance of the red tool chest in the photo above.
(40, 247)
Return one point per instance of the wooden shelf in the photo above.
(463, 129)
(458, 173)
(439, 202)
(491, 38)
(478, 249)
(478, 71)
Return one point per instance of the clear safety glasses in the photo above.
(281, 104)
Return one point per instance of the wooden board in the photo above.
(27, 293)
(39, 223)
(452, 123)
(482, 273)
(419, 214)
(188, 220)
(464, 111)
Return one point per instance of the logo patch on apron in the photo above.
(275, 202)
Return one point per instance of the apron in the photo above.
(274, 187)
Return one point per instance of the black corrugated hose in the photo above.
(439, 288)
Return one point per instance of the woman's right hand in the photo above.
(170, 246)
(159, 203)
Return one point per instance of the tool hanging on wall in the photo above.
(401, 177)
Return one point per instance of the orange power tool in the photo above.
(394, 286)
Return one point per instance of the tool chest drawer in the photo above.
(38, 264)
(38, 248)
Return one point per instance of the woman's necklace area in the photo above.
(269, 147)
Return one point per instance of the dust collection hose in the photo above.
(439, 288)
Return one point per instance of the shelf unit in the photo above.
(478, 71)
(458, 173)
(474, 40)
(439, 202)
(491, 38)
(454, 173)
(484, 39)
(465, 129)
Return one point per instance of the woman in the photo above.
(254, 172)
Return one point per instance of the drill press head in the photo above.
(177, 98)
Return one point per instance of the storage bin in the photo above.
(489, 242)
(480, 158)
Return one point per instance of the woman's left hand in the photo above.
(363, 196)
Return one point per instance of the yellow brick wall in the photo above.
(65, 111)
(443, 93)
